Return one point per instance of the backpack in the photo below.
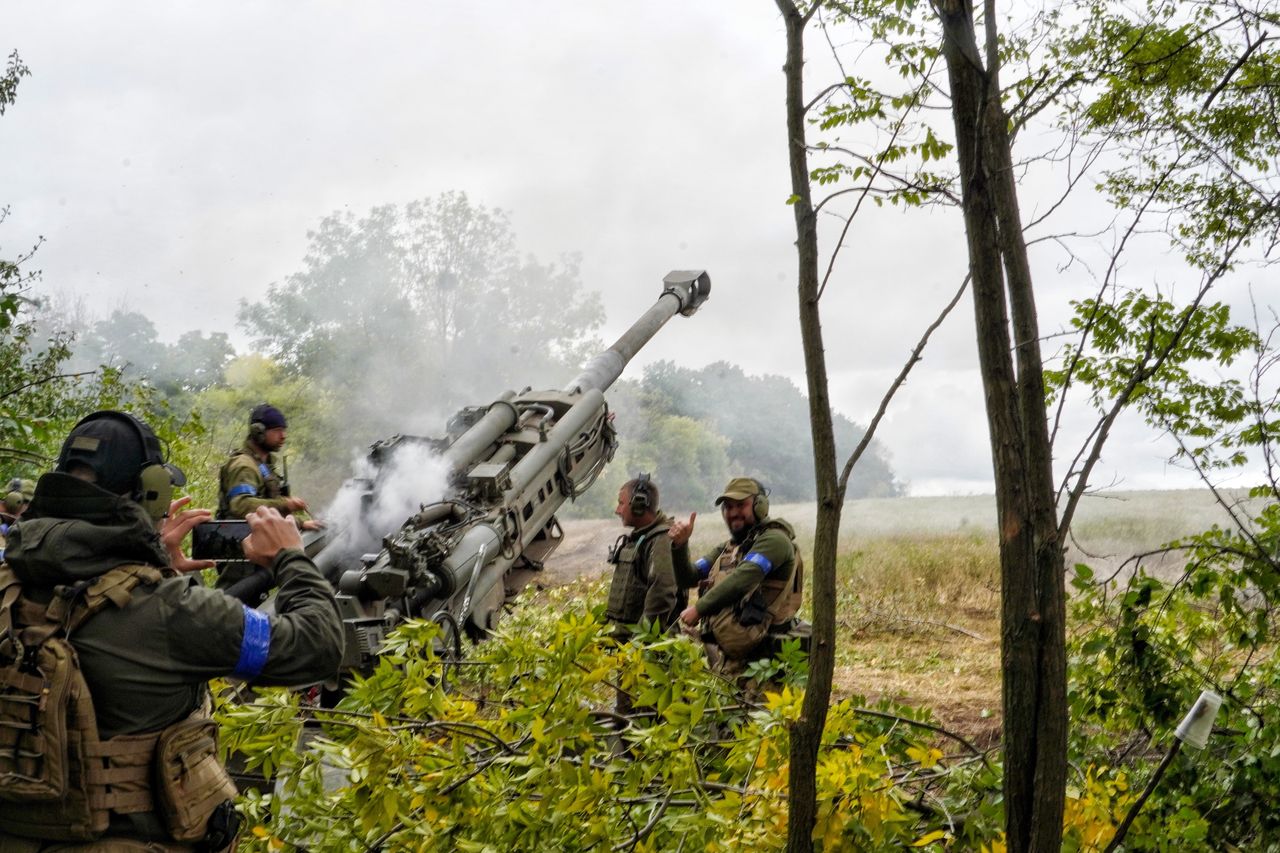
(58, 780)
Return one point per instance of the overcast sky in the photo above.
(174, 156)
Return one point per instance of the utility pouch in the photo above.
(754, 611)
(33, 724)
(191, 783)
(624, 554)
(739, 630)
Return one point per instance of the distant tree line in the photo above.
(693, 429)
(396, 319)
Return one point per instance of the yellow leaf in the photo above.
(936, 835)
(927, 757)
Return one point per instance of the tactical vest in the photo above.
(630, 582)
(740, 629)
(58, 780)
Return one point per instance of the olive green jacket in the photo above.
(247, 483)
(767, 550)
(147, 663)
(652, 570)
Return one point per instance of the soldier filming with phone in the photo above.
(106, 651)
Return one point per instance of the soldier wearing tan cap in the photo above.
(756, 577)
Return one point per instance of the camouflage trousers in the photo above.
(751, 689)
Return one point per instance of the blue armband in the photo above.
(254, 646)
(703, 567)
(242, 489)
(760, 560)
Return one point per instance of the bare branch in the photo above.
(960, 739)
(893, 389)
(1087, 329)
(44, 380)
(1231, 72)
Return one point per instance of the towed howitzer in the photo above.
(510, 466)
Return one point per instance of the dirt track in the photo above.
(586, 542)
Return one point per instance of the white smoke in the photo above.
(415, 476)
(411, 478)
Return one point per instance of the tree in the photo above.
(128, 341)
(13, 279)
(433, 290)
(775, 449)
(1150, 639)
(34, 388)
(831, 482)
(806, 732)
(1176, 102)
(1033, 608)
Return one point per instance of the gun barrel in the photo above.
(685, 291)
(511, 466)
(534, 466)
(500, 418)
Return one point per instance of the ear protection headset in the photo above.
(257, 429)
(641, 495)
(153, 490)
(760, 502)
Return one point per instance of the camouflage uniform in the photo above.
(752, 589)
(148, 661)
(643, 588)
(247, 482)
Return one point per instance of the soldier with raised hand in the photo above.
(251, 477)
(95, 562)
(756, 578)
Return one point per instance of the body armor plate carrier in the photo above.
(740, 630)
(58, 780)
(630, 582)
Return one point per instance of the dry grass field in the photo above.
(918, 586)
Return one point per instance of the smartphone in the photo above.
(219, 540)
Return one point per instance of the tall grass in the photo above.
(918, 587)
(921, 574)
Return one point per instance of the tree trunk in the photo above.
(1033, 615)
(806, 733)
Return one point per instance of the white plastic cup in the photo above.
(1196, 725)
